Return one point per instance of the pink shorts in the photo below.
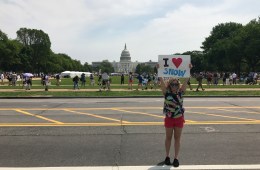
(174, 122)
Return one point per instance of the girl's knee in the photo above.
(168, 138)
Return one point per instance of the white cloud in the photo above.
(90, 30)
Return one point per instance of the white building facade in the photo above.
(125, 65)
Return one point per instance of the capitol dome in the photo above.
(125, 55)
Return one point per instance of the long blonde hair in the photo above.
(171, 80)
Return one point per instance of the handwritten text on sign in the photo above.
(174, 66)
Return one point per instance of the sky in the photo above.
(97, 30)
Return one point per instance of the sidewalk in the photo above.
(112, 89)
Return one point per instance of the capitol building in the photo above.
(125, 65)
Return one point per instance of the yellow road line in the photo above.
(65, 124)
(190, 107)
(195, 123)
(232, 117)
(127, 123)
(224, 123)
(124, 124)
(40, 117)
(147, 114)
(134, 108)
(141, 113)
(228, 107)
(55, 108)
(238, 111)
(105, 108)
(129, 108)
(97, 116)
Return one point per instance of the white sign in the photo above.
(174, 66)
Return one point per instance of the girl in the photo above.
(174, 115)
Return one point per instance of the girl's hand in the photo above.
(190, 66)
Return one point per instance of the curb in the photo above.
(93, 97)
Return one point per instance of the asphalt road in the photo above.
(125, 132)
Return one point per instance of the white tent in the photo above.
(74, 73)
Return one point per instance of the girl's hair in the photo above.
(171, 80)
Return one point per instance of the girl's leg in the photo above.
(177, 141)
(168, 140)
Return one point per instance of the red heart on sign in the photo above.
(177, 61)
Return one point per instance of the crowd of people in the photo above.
(144, 81)
(15, 79)
(227, 78)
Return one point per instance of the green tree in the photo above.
(234, 51)
(66, 62)
(138, 69)
(54, 64)
(105, 66)
(26, 59)
(197, 60)
(87, 67)
(155, 70)
(142, 68)
(250, 37)
(9, 53)
(77, 66)
(40, 44)
(215, 47)
(3, 36)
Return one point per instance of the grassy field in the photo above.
(115, 83)
(66, 83)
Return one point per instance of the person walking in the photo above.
(199, 79)
(174, 115)
(92, 81)
(2, 78)
(105, 81)
(122, 79)
(47, 82)
(18, 79)
(83, 80)
(215, 78)
(14, 78)
(130, 81)
(189, 84)
(255, 78)
(76, 82)
(58, 80)
(140, 82)
(225, 77)
(234, 78)
(28, 83)
(155, 81)
(100, 82)
(209, 78)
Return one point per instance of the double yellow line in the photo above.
(120, 122)
(38, 116)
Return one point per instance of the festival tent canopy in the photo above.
(74, 73)
(27, 74)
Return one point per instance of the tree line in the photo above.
(230, 47)
(31, 52)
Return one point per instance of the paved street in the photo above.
(126, 132)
